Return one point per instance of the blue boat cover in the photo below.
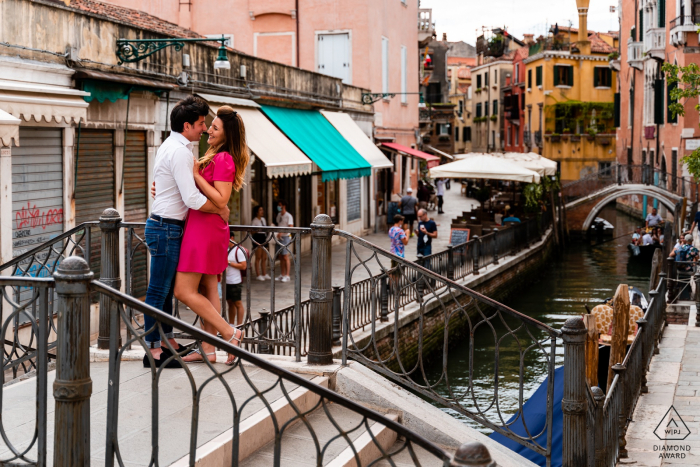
(535, 413)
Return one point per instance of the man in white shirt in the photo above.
(284, 219)
(647, 240)
(440, 184)
(653, 219)
(175, 194)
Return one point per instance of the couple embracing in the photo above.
(187, 232)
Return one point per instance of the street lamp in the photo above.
(135, 50)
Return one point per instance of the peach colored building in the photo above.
(372, 44)
(654, 33)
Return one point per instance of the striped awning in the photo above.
(42, 102)
(9, 129)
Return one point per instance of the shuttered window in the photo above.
(641, 24)
(136, 207)
(616, 110)
(602, 77)
(478, 110)
(661, 8)
(529, 79)
(94, 191)
(670, 118)
(354, 187)
(538, 76)
(563, 75)
(659, 95)
(478, 81)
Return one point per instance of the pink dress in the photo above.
(205, 242)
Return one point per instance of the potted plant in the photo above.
(576, 138)
(478, 90)
(603, 139)
(591, 134)
(613, 55)
(494, 118)
(555, 137)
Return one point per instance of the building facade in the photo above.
(459, 74)
(514, 123)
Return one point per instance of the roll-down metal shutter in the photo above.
(136, 206)
(37, 191)
(354, 199)
(94, 191)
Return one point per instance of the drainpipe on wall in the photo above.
(296, 5)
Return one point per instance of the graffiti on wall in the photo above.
(33, 217)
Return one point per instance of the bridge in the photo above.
(585, 198)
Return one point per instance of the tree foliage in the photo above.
(536, 194)
(687, 86)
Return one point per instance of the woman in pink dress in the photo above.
(204, 250)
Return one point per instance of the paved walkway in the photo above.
(261, 292)
(673, 380)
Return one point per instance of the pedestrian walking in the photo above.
(426, 231)
(284, 219)
(440, 185)
(408, 208)
(259, 244)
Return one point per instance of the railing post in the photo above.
(645, 331)
(72, 387)
(337, 291)
(264, 332)
(574, 452)
(599, 398)
(450, 262)
(109, 270)
(653, 294)
(384, 297)
(495, 247)
(618, 369)
(473, 454)
(420, 284)
(475, 269)
(321, 294)
(619, 177)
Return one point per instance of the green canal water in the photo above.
(585, 273)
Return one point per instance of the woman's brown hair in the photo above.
(234, 144)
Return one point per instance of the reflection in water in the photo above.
(585, 273)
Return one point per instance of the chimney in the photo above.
(583, 44)
(529, 39)
(444, 37)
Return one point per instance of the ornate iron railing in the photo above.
(404, 353)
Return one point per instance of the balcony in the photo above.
(680, 27)
(655, 42)
(538, 138)
(426, 27)
(635, 57)
(527, 138)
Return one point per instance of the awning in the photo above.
(432, 161)
(354, 135)
(126, 79)
(321, 142)
(440, 153)
(532, 161)
(42, 102)
(280, 156)
(9, 129)
(485, 167)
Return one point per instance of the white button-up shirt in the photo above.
(176, 191)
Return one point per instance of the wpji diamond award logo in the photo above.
(672, 428)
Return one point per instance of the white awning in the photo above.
(485, 167)
(217, 101)
(440, 153)
(42, 102)
(357, 138)
(9, 129)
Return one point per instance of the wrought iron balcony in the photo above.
(527, 138)
(655, 42)
(538, 139)
(680, 27)
(635, 57)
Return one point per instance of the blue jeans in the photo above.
(425, 250)
(163, 242)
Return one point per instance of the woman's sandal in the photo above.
(237, 339)
(202, 359)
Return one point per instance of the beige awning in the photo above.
(440, 153)
(9, 129)
(532, 161)
(357, 138)
(485, 167)
(280, 156)
(42, 102)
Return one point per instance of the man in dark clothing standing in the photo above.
(426, 231)
(423, 195)
(408, 208)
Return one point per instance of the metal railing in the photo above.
(619, 174)
(591, 414)
(72, 387)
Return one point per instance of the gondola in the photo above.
(642, 253)
(601, 227)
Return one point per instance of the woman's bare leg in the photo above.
(187, 291)
(260, 261)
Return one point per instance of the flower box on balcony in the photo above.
(555, 138)
(565, 137)
(443, 138)
(575, 138)
(590, 137)
(603, 140)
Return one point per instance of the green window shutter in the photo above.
(659, 101)
(478, 110)
(670, 117)
(495, 107)
(641, 25)
(617, 110)
(596, 77)
(486, 78)
(538, 76)
(570, 76)
(529, 78)
(662, 13)
(633, 34)
(478, 81)
(486, 109)
(556, 75)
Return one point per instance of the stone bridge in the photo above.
(585, 198)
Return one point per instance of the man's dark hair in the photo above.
(282, 202)
(398, 218)
(187, 110)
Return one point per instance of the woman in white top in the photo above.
(260, 239)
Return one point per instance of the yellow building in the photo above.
(570, 96)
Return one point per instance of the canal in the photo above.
(584, 273)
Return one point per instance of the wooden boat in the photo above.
(601, 227)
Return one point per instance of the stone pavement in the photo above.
(260, 292)
(673, 380)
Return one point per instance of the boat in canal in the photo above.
(642, 253)
(601, 227)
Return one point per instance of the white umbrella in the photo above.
(486, 167)
(531, 161)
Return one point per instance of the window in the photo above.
(478, 81)
(508, 133)
(385, 65)
(538, 76)
(661, 8)
(604, 169)
(495, 107)
(516, 75)
(404, 97)
(495, 77)
(444, 129)
(516, 135)
(466, 136)
(460, 110)
(641, 24)
(486, 109)
(563, 75)
(478, 110)
(602, 77)
(529, 79)
(456, 133)
(486, 78)
(522, 101)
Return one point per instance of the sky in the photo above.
(460, 19)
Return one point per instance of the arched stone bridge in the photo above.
(585, 198)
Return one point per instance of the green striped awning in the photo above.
(320, 141)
